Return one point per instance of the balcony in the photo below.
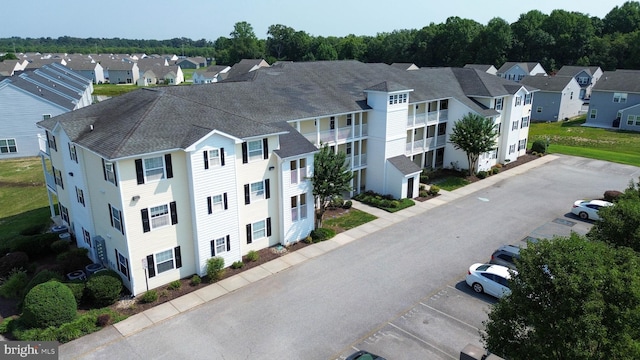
(44, 146)
(356, 161)
(336, 135)
(51, 181)
(419, 146)
(416, 119)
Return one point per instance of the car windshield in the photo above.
(483, 267)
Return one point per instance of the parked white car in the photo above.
(588, 209)
(490, 279)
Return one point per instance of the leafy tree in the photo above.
(244, 43)
(531, 41)
(474, 135)
(494, 42)
(571, 299)
(279, 40)
(619, 225)
(453, 41)
(8, 56)
(623, 19)
(331, 177)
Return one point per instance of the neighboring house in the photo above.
(614, 101)
(38, 63)
(587, 77)
(245, 66)
(120, 72)
(9, 67)
(89, 69)
(212, 74)
(188, 63)
(405, 66)
(516, 71)
(171, 75)
(32, 96)
(489, 69)
(557, 98)
(166, 178)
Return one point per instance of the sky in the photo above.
(211, 19)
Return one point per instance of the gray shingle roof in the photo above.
(293, 143)
(547, 83)
(619, 80)
(528, 66)
(404, 165)
(575, 70)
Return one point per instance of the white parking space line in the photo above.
(450, 317)
(424, 342)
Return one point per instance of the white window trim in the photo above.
(116, 219)
(257, 194)
(217, 205)
(263, 231)
(161, 219)
(157, 263)
(145, 169)
(110, 170)
(214, 161)
(8, 147)
(220, 247)
(593, 113)
(255, 156)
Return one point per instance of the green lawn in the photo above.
(348, 220)
(113, 89)
(571, 138)
(23, 196)
(451, 183)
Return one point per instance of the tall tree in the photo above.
(623, 19)
(474, 135)
(572, 298)
(244, 43)
(494, 42)
(453, 41)
(279, 41)
(531, 42)
(331, 177)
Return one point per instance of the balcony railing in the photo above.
(42, 142)
(421, 145)
(51, 181)
(416, 119)
(334, 135)
(358, 161)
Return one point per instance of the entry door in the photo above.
(410, 188)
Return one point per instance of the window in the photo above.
(349, 120)
(444, 104)
(214, 157)
(520, 77)
(397, 99)
(332, 122)
(109, 172)
(512, 148)
(583, 80)
(46, 116)
(527, 98)
(80, 196)
(258, 230)
(256, 191)
(154, 168)
(620, 98)
(539, 109)
(164, 261)
(58, 177)
(217, 203)
(525, 122)
(431, 131)
(123, 264)
(8, 146)
(518, 100)
(637, 120)
(159, 216)
(630, 119)
(255, 150)
(72, 153)
(298, 207)
(64, 214)
(442, 128)
(514, 125)
(571, 96)
(593, 113)
(499, 104)
(298, 170)
(220, 245)
(522, 144)
(294, 171)
(51, 140)
(116, 218)
(86, 236)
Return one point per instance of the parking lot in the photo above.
(440, 325)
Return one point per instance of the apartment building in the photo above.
(157, 181)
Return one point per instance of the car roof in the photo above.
(510, 249)
(493, 269)
(597, 202)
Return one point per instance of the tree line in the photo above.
(557, 39)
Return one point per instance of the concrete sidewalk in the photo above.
(192, 300)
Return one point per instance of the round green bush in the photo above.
(347, 204)
(322, 234)
(36, 245)
(215, 268)
(77, 288)
(195, 280)
(149, 297)
(49, 304)
(539, 146)
(237, 265)
(74, 259)
(40, 278)
(103, 289)
(434, 190)
(14, 260)
(60, 246)
(253, 255)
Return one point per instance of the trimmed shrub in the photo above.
(495, 170)
(49, 304)
(481, 174)
(60, 246)
(539, 146)
(423, 193)
(149, 297)
(237, 265)
(434, 190)
(74, 259)
(612, 195)
(42, 277)
(36, 245)
(195, 280)
(33, 230)
(12, 287)
(322, 234)
(77, 287)
(253, 255)
(424, 177)
(103, 289)
(14, 260)
(347, 204)
(175, 285)
(336, 202)
(215, 268)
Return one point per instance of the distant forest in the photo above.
(557, 39)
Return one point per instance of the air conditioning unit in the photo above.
(93, 268)
(77, 275)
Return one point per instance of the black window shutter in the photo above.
(245, 155)
(121, 223)
(268, 226)
(110, 214)
(174, 213)
(145, 220)
(104, 170)
(222, 156)
(265, 148)
(228, 243)
(167, 163)
(209, 209)
(267, 189)
(61, 181)
(213, 247)
(206, 159)
(115, 175)
(248, 233)
(117, 260)
(139, 171)
(226, 204)
(151, 266)
(247, 195)
(126, 261)
(176, 251)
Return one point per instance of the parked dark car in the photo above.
(364, 355)
(506, 255)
